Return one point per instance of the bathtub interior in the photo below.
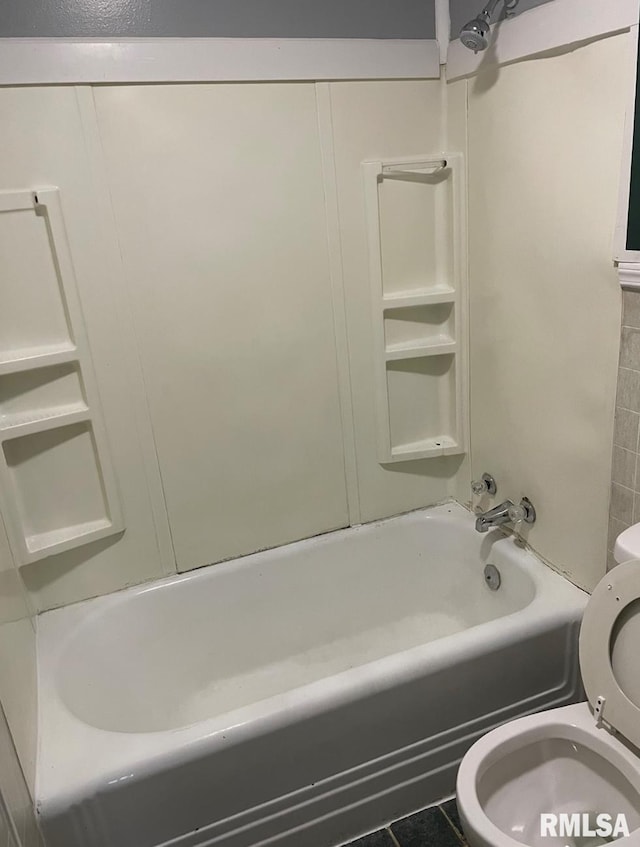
(244, 631)
(555, 775)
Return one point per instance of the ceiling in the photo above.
(232, 18)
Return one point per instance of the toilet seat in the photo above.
(612, 601)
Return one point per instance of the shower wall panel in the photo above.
(545, 143)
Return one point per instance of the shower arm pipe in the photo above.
(489, 9)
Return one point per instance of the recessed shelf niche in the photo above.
(422, 393)
(418, 330)
(33, 315)
(41, 394)
(57, 487)
(415, 214)
(72, 503)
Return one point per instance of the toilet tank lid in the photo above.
(627, 544)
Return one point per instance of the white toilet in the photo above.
(573, 760)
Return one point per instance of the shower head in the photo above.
(475, 34)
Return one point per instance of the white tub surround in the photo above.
(300, 695)
(557, 456)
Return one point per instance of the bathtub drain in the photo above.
(492, 577)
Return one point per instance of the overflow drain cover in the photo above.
(492, 577)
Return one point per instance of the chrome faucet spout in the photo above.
(497, 516)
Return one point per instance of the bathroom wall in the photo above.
(270, 438)
(219, 244)
(545, 139)
(219, 241)
(218, 18)
(218, 232)
(625, 479)
(218, 202)
(44, 144)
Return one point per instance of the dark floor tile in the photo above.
(428, 828)
(376, 839)
(450, 808)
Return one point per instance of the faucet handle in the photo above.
(516, 513)
(485, 485)
(524, 511)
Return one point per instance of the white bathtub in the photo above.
(297, 697)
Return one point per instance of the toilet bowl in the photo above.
(573, 763)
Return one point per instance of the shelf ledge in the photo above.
(66, 538)
(31, 423)
(426, 297)
(418, 351)
(443, 445)
(31, 358)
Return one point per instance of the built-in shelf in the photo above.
(419, 297)
(415, 219)
(397, 352)
(42, 420)
(67, 537)
(442, 445)
(15, 361)
(57, 486)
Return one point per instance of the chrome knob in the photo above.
(485, 485)
(524, 511)
(516, 513)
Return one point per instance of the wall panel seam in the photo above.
(338, 300)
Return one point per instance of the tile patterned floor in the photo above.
(438, 826)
